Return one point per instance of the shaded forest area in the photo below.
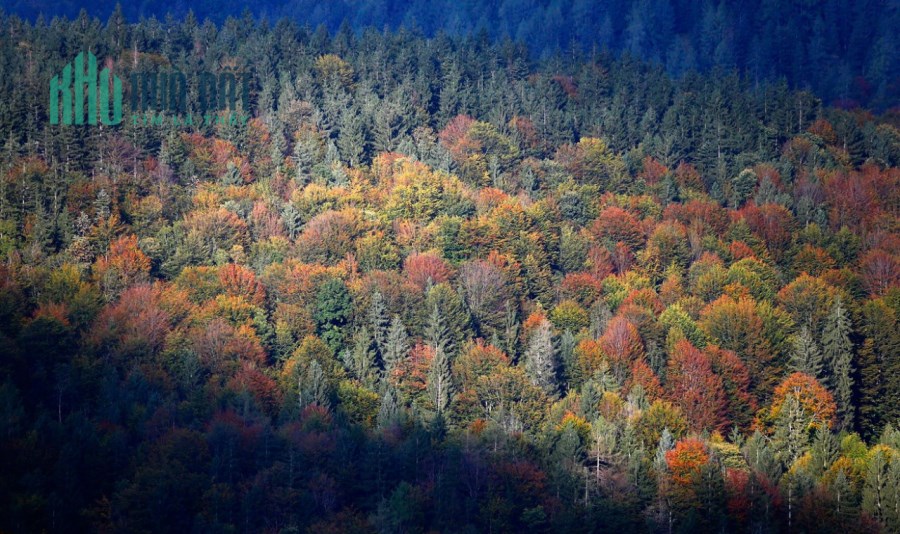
(845, 51)
(434, 285)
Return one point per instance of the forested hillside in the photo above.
(845, 50)
(432, 285)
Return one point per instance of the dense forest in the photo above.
(844, 50)
(435, 284)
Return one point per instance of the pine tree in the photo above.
(806, 357)
(232, 175)
(567, 356)
(590, 399)
(307, 154)
(760, 456)
(824, 450)
(396, 345)
(790, 438)
(599, 317)
(892, 514)
(352, 140)
(510, 331)
(843, 494)
(454, 314)
(360, 360)
(388, 126)
(313, 387)
(742, 187)
(378, 322)
(293, 220)
(604, 438)
(879, 368)
(838, 354)
(437, 335)
(843, 371)
(389, 411)
(540, 358)
(439, 380)
(333, 307)
(875, 493)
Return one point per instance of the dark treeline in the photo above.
(845, 51)
(435, 285)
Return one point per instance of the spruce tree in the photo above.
(760, 456)
(307, 154)
(439, 380)
(333, 308)
(824, 450)
(790, 438)
(806, 356)
(437, 335)
(540, 358)
(838, 354)
(876, 489)
(360, 360)
(396, 345)
(293, 220)
(313, 387)
(378, 322)
(390, 409)
(352, 139)
(510, 331)
(599, 317)
(567, 356)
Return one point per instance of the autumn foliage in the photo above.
(686, 459)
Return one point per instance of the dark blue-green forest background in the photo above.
(844, 50)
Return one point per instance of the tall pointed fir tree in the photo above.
(439, 380)
(389, 411)
(312, 387)
(806, 356)
(360, 359)
(567, 357)
(378, 322)
(437, 335)
(838, 355)
(396, 345)
(540, 358)
(307, 153)
(791, 438)
(824, 450)
(293, 220)
(510, 330)
(352, 138)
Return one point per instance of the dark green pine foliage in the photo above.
(396, 345)
(360, 359)
(352, 141)
(437, 335)
(879, 365)
(806, 356)
(379, 322)
(333, 309)
(838, 353)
